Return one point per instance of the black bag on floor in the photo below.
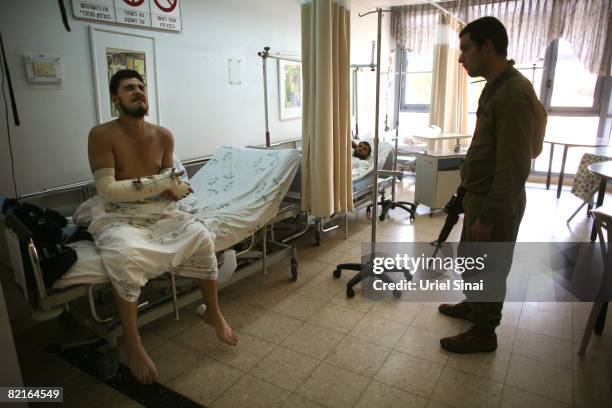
(45, 226)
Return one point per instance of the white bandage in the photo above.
(134, 190)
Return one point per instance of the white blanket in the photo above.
(240, 190)
(237, 192)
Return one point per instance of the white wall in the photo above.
(196, 101)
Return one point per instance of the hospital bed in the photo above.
(238, 194)
(363, 178)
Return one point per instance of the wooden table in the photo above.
(567, 143)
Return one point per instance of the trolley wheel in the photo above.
(294, 269)
(350, 293)
(107, 366)
(337, 273)
(412, 218)
(382, 217)
(397, 294)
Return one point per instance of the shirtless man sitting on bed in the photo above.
(139, 230)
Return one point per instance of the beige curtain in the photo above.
(449, 81)
(326, 146)
(531, 26)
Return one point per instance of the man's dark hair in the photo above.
(120, 75)
(369, 147)
(491, 28)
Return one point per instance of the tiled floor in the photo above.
(303, 344)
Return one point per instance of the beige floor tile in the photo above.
(594, 363)
(543, 348)
(358, 356)
(273, 327)
(591, 391)
(409, 373)
(172, 360)
(337, 318)
(297, 401)
(359, 302)
(430, 319)
(540, 378)
(298, 306)
(322, 288)
(266, 296)
(169, 328)
(380, 395)
(285, 368)
(505, 337)
(543, 322)
(379, 330)
(334, 387)
(314, 341)
(310, 267)
(238, 314)
(201, 338)
(558, 308)
(513, 397)
(253, 393)
(511, 313)
(459, 389)
(248, 352)
(423, 344)
(205, 381)
(399, 311)
(491, 366)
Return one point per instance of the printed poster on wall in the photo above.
(161, 14)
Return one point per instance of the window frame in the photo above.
(408, 107)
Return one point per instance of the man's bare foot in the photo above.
(143, 368)
(217, 321)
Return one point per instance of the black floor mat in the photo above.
(151, 395)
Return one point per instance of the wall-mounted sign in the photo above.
(163, 14)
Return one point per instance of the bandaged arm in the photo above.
(132, 190)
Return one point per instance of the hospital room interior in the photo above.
(306, 203)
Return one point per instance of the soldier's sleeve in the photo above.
(514, 128)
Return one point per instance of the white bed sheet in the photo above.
(235, 193)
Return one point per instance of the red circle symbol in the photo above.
(168, 6)
(133, 3)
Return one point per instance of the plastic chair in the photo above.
(603, 222)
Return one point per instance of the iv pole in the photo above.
(265, 54)
(357, 267)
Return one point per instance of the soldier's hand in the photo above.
(481, 231)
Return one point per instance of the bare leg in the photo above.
(213, 314)
(143, 368)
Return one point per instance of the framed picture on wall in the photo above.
(115, 50)
(290, 89)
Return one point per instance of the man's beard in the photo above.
(137, 113)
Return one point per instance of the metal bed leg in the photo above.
(174, 297)
(264, 238)
(346, 225)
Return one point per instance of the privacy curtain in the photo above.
(326, 142)
(531, 26)
(449, 80)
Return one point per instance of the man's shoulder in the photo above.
(103, 130)
(160, 131)
(517, 88)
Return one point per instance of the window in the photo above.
(572, 97)
(416, 87)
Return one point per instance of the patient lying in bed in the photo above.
(137, 226)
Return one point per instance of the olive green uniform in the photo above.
(509, 132)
